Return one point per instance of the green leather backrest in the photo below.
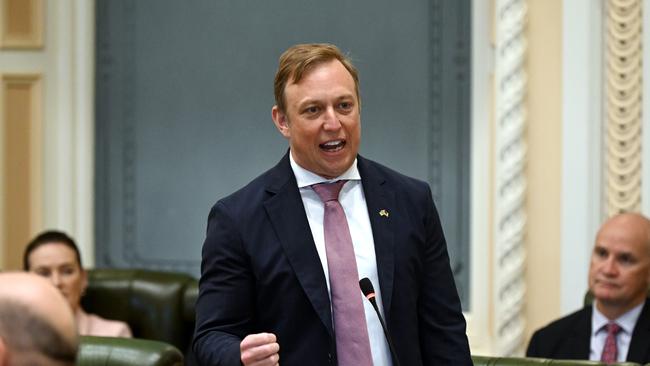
(108, 351)
(481, 360)
(157, 305)
(529, 361)
(515, 361)
(189, 302)
(588, 363)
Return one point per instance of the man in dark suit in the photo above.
(267, 284)
(616, 327)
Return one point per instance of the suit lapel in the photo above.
(381, 203)
(287, 215)
(640, 343)
(578, 343)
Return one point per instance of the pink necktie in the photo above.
(352, 344)
(610, 351)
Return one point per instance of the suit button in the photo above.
(329, 357)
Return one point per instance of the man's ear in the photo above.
(281, 121)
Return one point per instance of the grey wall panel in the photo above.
(184, 93)
(449, 132)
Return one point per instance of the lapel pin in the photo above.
(383, 213)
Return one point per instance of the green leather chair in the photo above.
(190, 295)
(507, 361)
(106, 351)
(529, 361)
(481, 360)
(157, 305)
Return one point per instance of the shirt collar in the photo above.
(306, 178)
(626, 321)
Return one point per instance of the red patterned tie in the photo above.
(610, 351)
(352, 344)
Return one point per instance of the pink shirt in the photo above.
(93, 325)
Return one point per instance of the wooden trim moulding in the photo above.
(21, 24)
(20, 164)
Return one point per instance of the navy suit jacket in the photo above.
(569, 337)
(260, 272)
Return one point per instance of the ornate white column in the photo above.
(623, 116)
(509, 226)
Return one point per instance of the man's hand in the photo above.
(259, 349)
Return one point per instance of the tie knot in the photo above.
(328, 191)
(612, 328)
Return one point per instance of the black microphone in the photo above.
(369, 292)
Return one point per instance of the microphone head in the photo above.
(367, 288)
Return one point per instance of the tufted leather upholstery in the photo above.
(157, 305)
(126, 352)
(522, 361)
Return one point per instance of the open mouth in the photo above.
(332, 146)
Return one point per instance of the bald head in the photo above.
(633, 226)
(36, 323)
(619, 273)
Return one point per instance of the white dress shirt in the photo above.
(353, 201)
(626, 321)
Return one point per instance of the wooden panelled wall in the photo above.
(21, 101)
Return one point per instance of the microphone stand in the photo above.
(369, 291)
